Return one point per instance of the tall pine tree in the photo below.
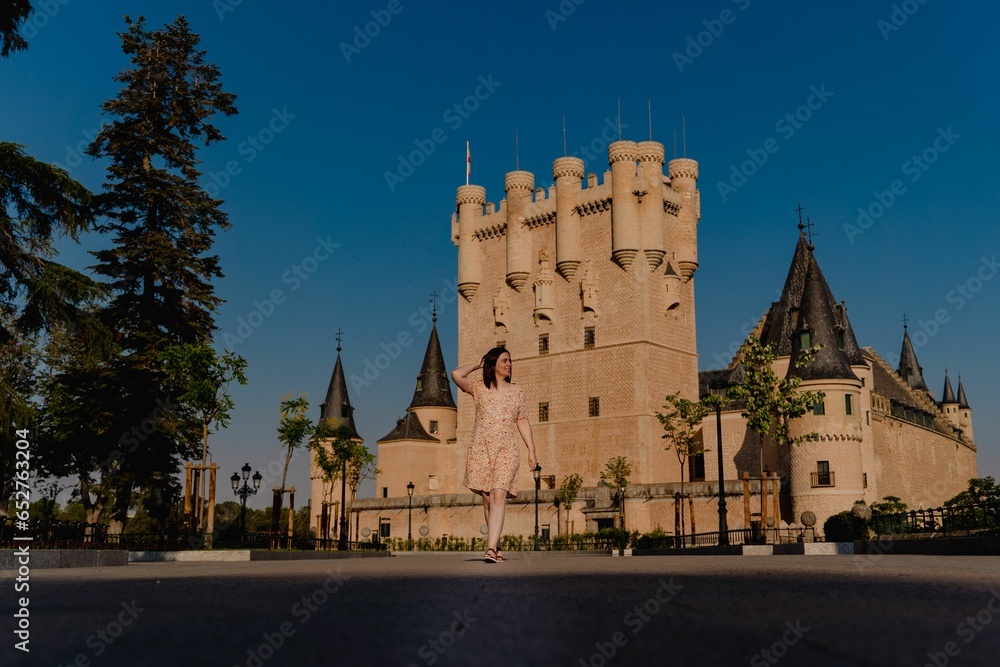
(163, 224)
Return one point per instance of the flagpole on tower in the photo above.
(468, 162)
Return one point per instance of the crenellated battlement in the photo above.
(651, 214)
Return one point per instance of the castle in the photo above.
(590, 286)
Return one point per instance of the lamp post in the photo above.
(409, 518)
(621, 498)
(245, 491)
(536, 472)
(719, 388)
(342, 542)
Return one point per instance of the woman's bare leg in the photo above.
(498, 498)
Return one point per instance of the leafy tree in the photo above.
(568, 492)
(772, 402)
(12, 14)
(294, 428)
(889, 505)
(162, 224)
(18, 378)
(616, 472)
(976, 507)
(38, 204)
(681, 424)
(204, 378)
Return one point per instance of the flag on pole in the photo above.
(468, 163)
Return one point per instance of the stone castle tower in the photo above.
(590, 287)
(334, 410)
(419, 447)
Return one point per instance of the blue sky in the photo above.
(879, 106)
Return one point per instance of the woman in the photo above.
(493, 452)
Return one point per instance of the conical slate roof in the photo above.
(963, 402)
(408, 428)
(433, 388)
(337, 406)
(781, 322)
(947, 396)
(909, 369)
(824, 325)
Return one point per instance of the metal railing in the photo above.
(955, 519)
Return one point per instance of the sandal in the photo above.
(500, 557)
(487, 558)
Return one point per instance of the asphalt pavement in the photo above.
(535, 609)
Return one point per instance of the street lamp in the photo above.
(245, 491)
(536, 472)
(719, 387)
(342, 542)
(409, 518)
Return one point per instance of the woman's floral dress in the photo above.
(494, 453)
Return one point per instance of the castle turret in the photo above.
(683, 174)
(651, 156)
(909, 369)
(470, 200)
(964, 412)
(567, 172)
(337, 409)
(949, 404)
(825, 479)
(518, 186)
(625, 241)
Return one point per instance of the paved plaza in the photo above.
(535, 609)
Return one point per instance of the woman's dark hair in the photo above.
(489, 366)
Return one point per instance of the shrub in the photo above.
(845, 527)
(655, 539)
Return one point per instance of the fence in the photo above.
(956, 519)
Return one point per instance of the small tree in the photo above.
(681, 423)
(771, 402)
(615, 474)
(204, 377)
(568, 492)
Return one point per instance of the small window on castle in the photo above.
(697, 467)
(862, 382)
(864, 480)
(820, 408)
(543, 412)
(444, 384)
(848, 406)
(594, 408)
(432, 482)
(588, 337)
(420, 384)
(840, 340)
(434, 426)
(345, 411)
(383, 528)
(543, 344)
(804, 340)
(385, 491)
(823, 476)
